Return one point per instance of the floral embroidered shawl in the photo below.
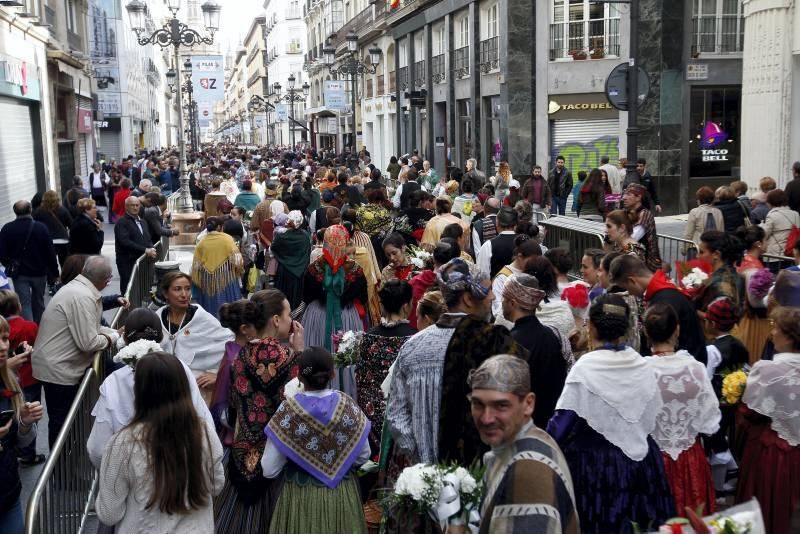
(321, 435)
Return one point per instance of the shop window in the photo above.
(718, 27)
(465, 129)
(714, 132)
(584, 29)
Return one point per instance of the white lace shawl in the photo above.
(200, 343)
(773, 390)
(616, 393)
(690, 405)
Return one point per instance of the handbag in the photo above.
(12, 269)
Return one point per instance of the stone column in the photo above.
(767, 91)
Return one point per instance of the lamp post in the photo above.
(174, 33)
(291, 97)
(257, 104)
(352, 66)
(191, 107)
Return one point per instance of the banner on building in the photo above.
(109, 103)
(281, 112)
(335, 99)
(205, 113)
(208, 78)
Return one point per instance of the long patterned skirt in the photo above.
(689, 478)
(237, 514)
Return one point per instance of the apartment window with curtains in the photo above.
(461, 53)
(437, 58)
(584, 29)
(71, 16)
(491, 22)
(718, 26)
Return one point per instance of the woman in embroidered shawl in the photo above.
(190, 332)
(602, 423)
(316, 440)
(770, 428)
(258, 375)
(399, 267)
(690, 408)
(753, 328)
(724, 252)
(217, 268)
(292, 250)
(334, 290)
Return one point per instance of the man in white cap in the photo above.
(528, 483)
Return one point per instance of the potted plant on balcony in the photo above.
(597, 53)
(578, 54)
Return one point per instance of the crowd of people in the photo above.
(341, 323)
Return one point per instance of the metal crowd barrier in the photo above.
(574, 235)
(64, 494)
(775, 262)
(674, 249)
(65, 491)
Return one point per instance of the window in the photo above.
(72, 20)
(463, 33)
(491, 22)
(718, 26)
(583, 29)
(439, 43)
(714, 141)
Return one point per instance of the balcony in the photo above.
(461, 62)
(490, 55)
(588, 39)
(717, 34)
(403, 78)
(74, 41)
(419, 74)
(438, 74)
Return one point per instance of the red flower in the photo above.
(242, 385)
(370, 409)
(251, 417)
(577, 296)
(262, 418)
(418, 234)
(259, 401)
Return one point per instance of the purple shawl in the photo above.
(219, 402)
(322, 435)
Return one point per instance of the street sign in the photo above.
(617, 86)
(697, 71)
(281, 112)
(334, 94)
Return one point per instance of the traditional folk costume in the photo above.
(292, 250)
(402, 272)
(753, 328)
(216, 271)
(602, 422)
(770, 428)
(259, 373)
(221, 399)
(317, 438)
(364, 256)
(645, 230)
(335, 291)
(528, 484)
(198, 341)
(689, 408)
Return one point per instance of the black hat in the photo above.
(507, 217)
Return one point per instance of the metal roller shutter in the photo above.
(18, 171)
(583, 143)
(109, 145)
(84, 142)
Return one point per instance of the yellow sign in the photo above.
(555, 107)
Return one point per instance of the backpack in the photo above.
(710, 224)
(791, 241)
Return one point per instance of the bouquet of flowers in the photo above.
(419, 258)
(451, 495)
(692, 276)
(733, 385)
(345, 345)
(745, 518)
(373, 220)
(130, 354)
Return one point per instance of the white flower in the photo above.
(421, 482)
(417, 262)
(349, 341)
(695, 278)
(292, 388)
(130, 354)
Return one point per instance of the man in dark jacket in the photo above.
(793, 188)
(154, 217)
(73, 195)
(631, 274)
(551, 356)
(560, 182)
(651, 201)
(132, 239)
(27, 253)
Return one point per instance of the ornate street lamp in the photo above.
(352, 66)
(176, 34)
(292, 96)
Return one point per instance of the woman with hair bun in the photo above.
(723, 251)
(216, 268)
(320, 491)
(259, 373)
(619, 235)
(115, 407)
(753, 328)
(603, 421)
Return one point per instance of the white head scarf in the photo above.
(276, 207)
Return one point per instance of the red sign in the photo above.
(84, 121)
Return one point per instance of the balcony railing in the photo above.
(461, 62)
(419, 74)
(403, 78)
(438, 74)
(490, 54)
(587, 39)
(717, 34)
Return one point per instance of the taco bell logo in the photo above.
(713, 136)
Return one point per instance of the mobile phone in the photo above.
(6, 416)
(19, 350)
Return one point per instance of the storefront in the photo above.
(22, 171)
(713, 136)
(583, 129)
(108, 139)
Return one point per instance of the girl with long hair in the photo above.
(593, 197)
(619, 235)
(160, 472)
(18, 431)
